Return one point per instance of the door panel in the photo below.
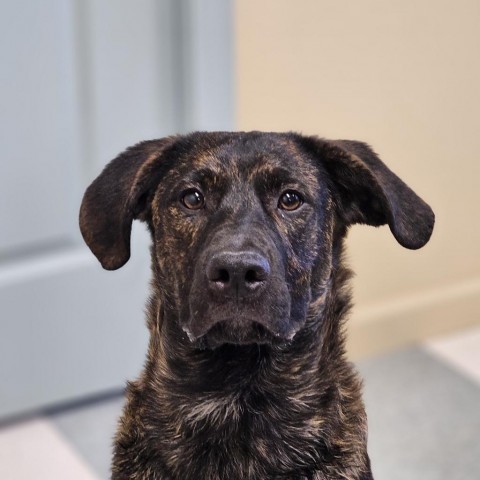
(131, 64)
(37, 134)
(73, 329)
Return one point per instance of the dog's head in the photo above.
(244, 224)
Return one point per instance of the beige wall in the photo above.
(405, 77)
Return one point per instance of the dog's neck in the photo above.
(255, 399)
(316, 351)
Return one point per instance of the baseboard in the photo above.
(397, 323)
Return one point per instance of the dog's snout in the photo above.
(237, 273)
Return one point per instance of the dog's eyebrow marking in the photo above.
(272, 177)
(203, 175)
(273, 172)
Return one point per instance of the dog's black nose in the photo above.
(237, 274)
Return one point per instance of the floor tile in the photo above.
(34, 449)
(461, 350)
(90, 430)
(424, 418)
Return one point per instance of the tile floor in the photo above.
(423, 405)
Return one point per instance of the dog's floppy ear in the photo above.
(372, 194)
(116, 197)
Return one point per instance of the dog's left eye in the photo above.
(290, 200)
(193, 199)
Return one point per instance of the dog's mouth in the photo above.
(212, 320)
(234, 332)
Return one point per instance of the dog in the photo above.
(246, 376)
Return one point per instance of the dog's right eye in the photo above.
(193, 199)
(290, 200)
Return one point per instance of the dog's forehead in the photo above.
(247, 155)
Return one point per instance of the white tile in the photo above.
(90, 430)
(36, 450)
(423, 418)
(461, 350)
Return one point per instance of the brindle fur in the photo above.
(276, 408)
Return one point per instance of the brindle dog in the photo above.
(246, 376)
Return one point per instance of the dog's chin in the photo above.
(246, 333)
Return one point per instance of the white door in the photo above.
(80, 81)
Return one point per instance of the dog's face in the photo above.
(237, 226)
(243, 224)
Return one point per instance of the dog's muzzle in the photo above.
(238, 296)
